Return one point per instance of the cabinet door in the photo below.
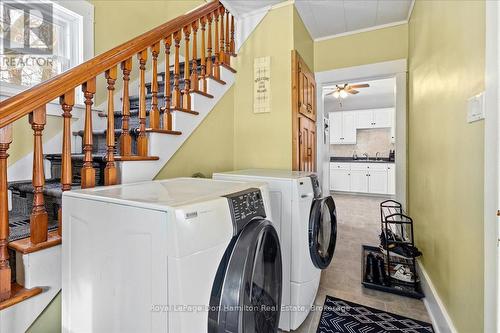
(307, 92)
(393, 126)
(335, 120)
(349, 129)
(359, 181)
(391, 179)
(377, 182)
(302, 90)
(382, 118)
(307, 144)
(365, 119)
(339, 180)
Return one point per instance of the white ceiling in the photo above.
(328, 18)
(380, 94)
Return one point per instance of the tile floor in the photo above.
(358, 223)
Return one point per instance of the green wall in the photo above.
(50, 319)
(446, 158)
(210, 147)
(362, 48)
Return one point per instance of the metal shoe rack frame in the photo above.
(394, 220)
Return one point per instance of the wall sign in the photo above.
(262, 85)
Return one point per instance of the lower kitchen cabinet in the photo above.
(377, 182)
(359, 181)
(340, 180)
(391, 179)
(376, 178)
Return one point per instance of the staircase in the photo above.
(141, 135)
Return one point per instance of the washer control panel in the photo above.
(245, 206)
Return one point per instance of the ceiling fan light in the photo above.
(343, 94)
(336, 94)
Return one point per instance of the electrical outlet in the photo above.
(475, 108)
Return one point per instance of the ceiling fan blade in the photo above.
(363, 85)
(352, 91)
(330, 93)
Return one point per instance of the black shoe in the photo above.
(396, 247)
(382, 276)
(371, 273)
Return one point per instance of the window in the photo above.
(42, 39)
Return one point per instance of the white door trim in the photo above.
(491, 169)
(396, 69)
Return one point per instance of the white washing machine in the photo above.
(182, 255)
(307, 225)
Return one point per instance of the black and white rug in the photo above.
(341, 316)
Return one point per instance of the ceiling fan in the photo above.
(342, 91)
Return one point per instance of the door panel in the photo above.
(391, 179)
(349, 129)
(382, 118)
(340, 180)
(359, 181)
(335, 121)
(365, 119)
(377, 182)
(307, 144)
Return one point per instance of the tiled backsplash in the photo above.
(368, 141)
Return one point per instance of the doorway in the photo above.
(388, 74)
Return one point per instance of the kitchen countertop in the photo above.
(360, 160)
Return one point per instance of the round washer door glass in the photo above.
(246, 295)
(322, 231)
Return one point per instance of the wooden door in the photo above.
(303, 115)
(307, 144)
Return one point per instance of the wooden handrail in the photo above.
(24, 103)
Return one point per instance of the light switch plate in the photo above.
(475, 108)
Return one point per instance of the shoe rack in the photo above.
(399, 226)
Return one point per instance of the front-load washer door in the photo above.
(322, 231)
(246, 295)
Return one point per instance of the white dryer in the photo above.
(182, 255)
(307, 224)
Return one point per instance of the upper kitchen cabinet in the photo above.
(342, 127)
(375, 118)
(306, 91)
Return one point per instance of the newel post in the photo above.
(5, 273)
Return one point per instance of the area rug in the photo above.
(340, 316)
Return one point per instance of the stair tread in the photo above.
(102, 157)
(136, 158)
(163, 131)
(19, 294)
(216, 79)
(229, 68)
(25, 246)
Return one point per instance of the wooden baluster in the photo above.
(228, 44)
(216, 68)
(203, 72)
(5, 272)
(194, 70)
(231, 47)
(38, 217)
(88, 172)
(110, 169)
(154, 114)
(186, 97)
(209, 69)
(222, 52)
(67, 101)
(142, 139)
(125, 137)
(176, 98)
(167, 113)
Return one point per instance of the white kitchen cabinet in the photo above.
(375, 118)
(377, 182)
(391, 179)
(349, 129)
(342, 127)
(359, 181)
(375, 178)
(340, 180)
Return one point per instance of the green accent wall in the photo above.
(49, 320)
(446, 154)
(361, 48)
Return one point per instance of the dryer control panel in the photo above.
(245, 206)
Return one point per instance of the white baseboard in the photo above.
(441, 321)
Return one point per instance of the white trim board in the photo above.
(491, 169)
(354, 32)
(440, 318)
(381, 70)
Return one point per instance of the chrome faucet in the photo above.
(377, 156)
(366, 155)
(354, 155)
